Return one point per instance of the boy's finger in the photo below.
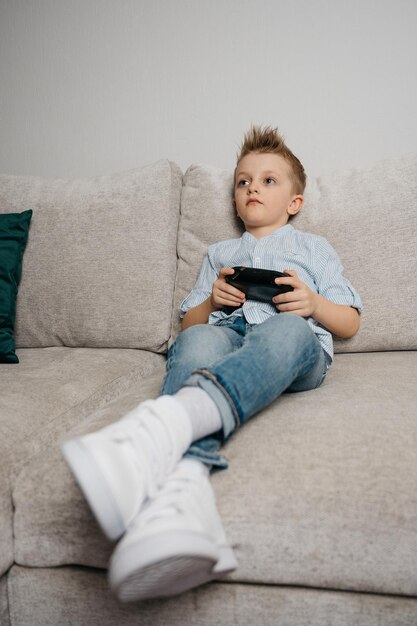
(233, 291)
(282, 298)
(226, 271)
(287, 280)
(238, 294)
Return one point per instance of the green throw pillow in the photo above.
(14, 229)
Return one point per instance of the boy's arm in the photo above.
(339, 319)
(197, 314)
(222, 294)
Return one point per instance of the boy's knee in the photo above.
(201, 340)
(195, 334)
(190, 337)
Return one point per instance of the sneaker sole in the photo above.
(94, 488)
(166, 565)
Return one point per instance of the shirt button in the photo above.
(257, 261)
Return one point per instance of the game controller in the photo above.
(258, 284)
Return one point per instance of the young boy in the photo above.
(147, 476)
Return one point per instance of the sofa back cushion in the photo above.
(100, 262)
(369, 216)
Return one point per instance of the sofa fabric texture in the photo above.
(319, 501)
(245, 605)
(99, 251)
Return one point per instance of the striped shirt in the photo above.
(311, 256)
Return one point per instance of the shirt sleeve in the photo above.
(202, 288)
(331, 283)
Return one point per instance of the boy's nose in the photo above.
(253, 187)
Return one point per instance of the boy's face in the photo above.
(264, 195)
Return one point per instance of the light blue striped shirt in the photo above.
(311, 256)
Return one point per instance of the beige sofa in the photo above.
(320, 500)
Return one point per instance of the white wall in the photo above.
(97, 86)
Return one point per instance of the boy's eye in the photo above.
(269, 180)
(242, 183)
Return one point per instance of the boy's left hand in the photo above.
(302, 301)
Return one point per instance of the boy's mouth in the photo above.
(253, 201)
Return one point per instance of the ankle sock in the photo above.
(202, 411)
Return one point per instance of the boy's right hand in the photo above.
(223, 294)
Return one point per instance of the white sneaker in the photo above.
(122, 465)
(176, 543)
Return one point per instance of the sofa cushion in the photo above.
(44, 396)
(101, 258)
(320, 490)
(14, 229)
(368, 215)
(54, 509)
(81, 596)
(54, 388)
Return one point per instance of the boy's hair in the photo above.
(268, 140)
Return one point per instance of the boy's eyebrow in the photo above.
(269, 172)
(265, 173)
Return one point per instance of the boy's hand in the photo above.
(302, 301)
(223, 294)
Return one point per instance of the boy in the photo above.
(147, 476)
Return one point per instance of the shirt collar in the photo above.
(277, 233)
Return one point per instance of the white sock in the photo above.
(201, 409)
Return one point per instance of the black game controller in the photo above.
(258, 284)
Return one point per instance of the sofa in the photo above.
(319, 501)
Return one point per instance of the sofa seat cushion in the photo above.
(54, 509)
(336, 488)
(53, 388)
(320, 490)
(81, 596)
(44, 395)
(100, 262)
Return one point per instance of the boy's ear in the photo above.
(295, 205)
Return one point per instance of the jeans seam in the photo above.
(224, 391)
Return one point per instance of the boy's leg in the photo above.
(175, 539)
(275, 356)
(119, 467)
(282, 354)
(199, 346)
(178, 543)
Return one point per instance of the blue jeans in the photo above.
(243, 368)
